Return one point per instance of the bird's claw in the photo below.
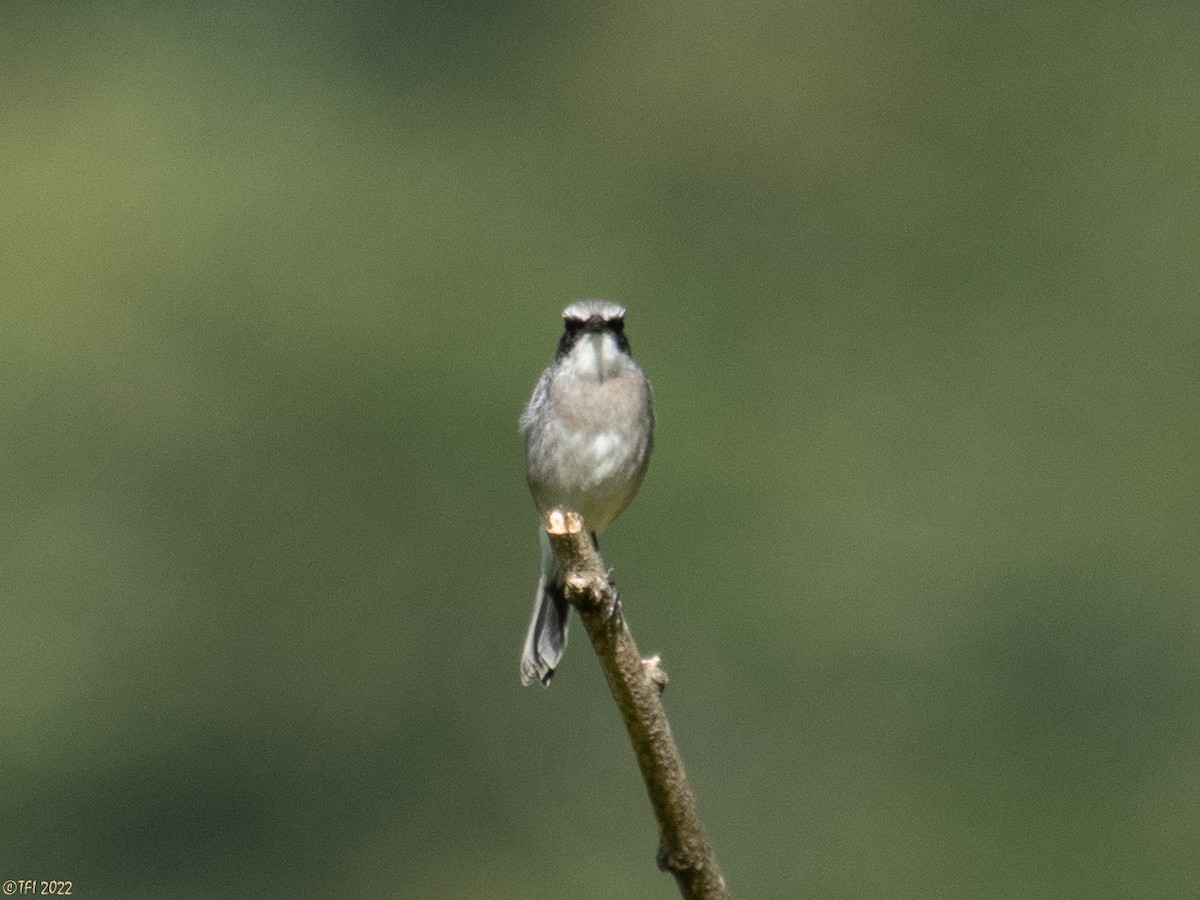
(614, 605)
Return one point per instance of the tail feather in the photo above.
(547, 637)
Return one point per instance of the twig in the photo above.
(636, 686)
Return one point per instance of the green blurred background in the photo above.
(917, 285)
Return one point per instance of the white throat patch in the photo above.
(595, 355)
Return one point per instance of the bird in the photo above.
(589, 430)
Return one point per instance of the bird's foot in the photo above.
(614, 604)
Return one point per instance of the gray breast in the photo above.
(589, 444)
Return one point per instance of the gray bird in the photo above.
(589, 428)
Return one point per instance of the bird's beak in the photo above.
(594, 323)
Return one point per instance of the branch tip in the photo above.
(560, 521)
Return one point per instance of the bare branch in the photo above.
(636, 686)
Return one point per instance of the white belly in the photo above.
(594, 473)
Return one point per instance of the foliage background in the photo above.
(917, 287)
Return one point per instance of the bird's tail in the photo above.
(547, 637)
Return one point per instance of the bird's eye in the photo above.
(572, 325)
(617, 325)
